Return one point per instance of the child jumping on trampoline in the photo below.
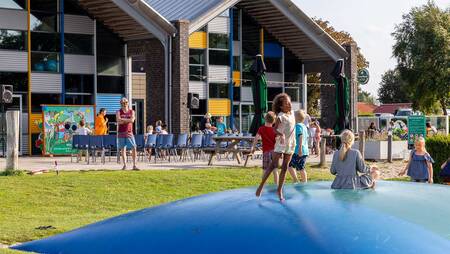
(267, 135)
(285, 141)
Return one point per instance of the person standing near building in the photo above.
(101, 123)
(125, 119)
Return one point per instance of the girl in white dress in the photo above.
(285, 141)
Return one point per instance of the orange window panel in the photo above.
(219, 107)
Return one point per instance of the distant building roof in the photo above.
(391, 107)
(364, 107)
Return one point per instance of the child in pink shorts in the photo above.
(267, 134)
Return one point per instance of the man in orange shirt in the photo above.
(101, 122)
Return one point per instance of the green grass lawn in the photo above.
(73, 199)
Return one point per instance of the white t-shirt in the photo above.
(83, 131)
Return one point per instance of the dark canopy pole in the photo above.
(259, 90)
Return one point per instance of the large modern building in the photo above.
(93, 52)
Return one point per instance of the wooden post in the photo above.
(362, 142)
(389, 150)
(323, 151)
(12, 138)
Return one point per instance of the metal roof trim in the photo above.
(153, 15)
(311, 29)
(211, 14)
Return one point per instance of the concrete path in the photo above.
(40, 163)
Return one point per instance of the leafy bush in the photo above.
(439, 148)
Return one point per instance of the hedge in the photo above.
(439, 148)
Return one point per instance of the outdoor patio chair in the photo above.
(181, 145)
(140, 145)
(83, 145)
(75, 146)
(95, 145)
(166, 146)
(195, 145)
(158, 145)
(150, 144)
(109, 144)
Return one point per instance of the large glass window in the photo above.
(14, 4)
(218, 90)
(19, 80)
(236, 25)
(218, 41)
(44, 5)
(11, 39)
(48, 42)
(75, 83)
(110, 65)
(273, 64)
(247, 113)
(197, 72)
(236, 94)
(202, 109)
(197, 56)
(78, 44)
(219, 57)
(46, 22)
(76, 99)
(293, 92)
(38, 99)
(48, 62)
(111, 84)
(72, 7)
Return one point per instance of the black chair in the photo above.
(95, 145)
(109, 144)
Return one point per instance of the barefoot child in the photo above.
(346, 164)
(301, 149)
(285, 140)
(267, 135)
(420, 164)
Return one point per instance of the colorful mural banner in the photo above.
(60, 123)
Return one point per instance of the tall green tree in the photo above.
(366, 97)
(422, 49)
(392, 88)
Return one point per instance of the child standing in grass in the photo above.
(267, 134)
(285, 140)
(301, 152)
(420, 164)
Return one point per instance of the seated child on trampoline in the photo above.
(346, 164)
(420, 164)
(445, 172)
(267, 135)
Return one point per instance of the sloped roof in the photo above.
(366, 107)
(282, 18)
(197, 12)
(391, 107)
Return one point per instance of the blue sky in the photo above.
(370, 22)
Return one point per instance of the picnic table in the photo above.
(232, 146)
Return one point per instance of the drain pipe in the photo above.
(170, 84)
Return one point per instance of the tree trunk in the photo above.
(443, 105)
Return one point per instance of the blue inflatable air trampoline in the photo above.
(397, 217)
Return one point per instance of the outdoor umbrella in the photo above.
(342, 98)
(259, 90)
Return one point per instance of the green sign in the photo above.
(416, 128)
(363, 76)
(60, 122)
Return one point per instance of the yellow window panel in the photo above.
(197, 40)
(219, 107)
(237, 78)
(36, 120)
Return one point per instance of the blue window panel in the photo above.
(272, 49)
(109, 101)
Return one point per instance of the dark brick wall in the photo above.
(154, 70)
(180, 78)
